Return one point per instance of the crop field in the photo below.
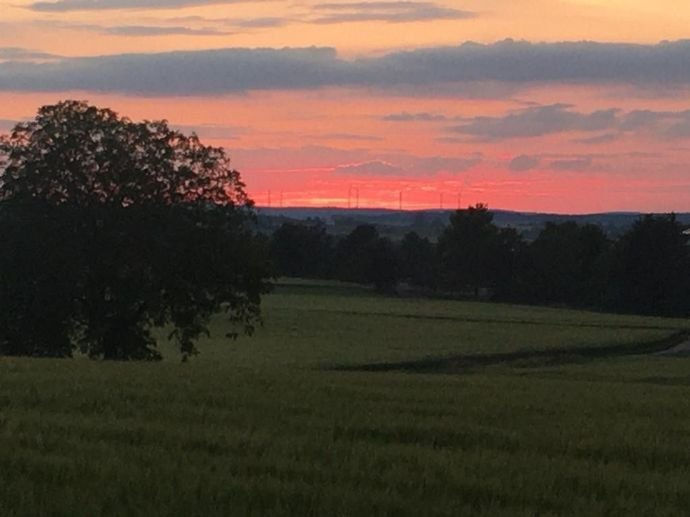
(349, 403)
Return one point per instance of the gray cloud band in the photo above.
(327, 13)
(559, 118)
(100, 5)
(236, 70)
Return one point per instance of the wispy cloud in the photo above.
(332, 13)
(410, 166)
(24, 54)
(573, 164)
(177, 26)
(524, 163)
(535, 122)
(391, 12)
(260, 23)
(235, 23)
(604, 138)
(576, 162)
(152, 30)
(371, 168)
(354, 137)
(610, 124)
(414, 117)
(101, 5)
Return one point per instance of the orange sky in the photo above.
(573, 139)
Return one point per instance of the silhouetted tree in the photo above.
(365, 257)
(111, 228)
(302, 250)
(508, 262)
(384, 272)
(650, 271)
(353, 254)
(567, 264)
(473, 252)
(418, 260)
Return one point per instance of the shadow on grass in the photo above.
(521, 359)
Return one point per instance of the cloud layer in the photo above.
(610, 124)
(414, 117)
(410, 166)
(155, 30)
(537, 121)
(391, 12)
(24, 54)
(102, 5)
(404, 11)
(236, 70)
(525, 163)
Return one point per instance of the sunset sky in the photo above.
(565, 106)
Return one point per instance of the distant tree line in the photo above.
(645, 271)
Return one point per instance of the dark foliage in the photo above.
(365, 257)
(646, 271)
(650, 268)
(567, 264)
(110, 228)
(474, 253)
(509, 264)
(302, 250)
(418, 264)
(39, 278)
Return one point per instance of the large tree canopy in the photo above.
(475, 253)
(110, 228)
(80, 154)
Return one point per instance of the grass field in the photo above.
(347, 403)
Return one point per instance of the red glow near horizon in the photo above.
(543, 195)
(302, 145)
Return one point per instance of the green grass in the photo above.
(267, 426)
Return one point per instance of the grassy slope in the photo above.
(255, 427)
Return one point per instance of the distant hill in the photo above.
(431, 222)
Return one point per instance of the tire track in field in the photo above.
(527, 358)
(475, 319)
